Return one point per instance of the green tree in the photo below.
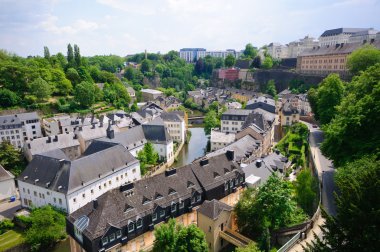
(143, 161)
(229, 61)
(11, 158)
(151, 154)
(271, 88)
(62, 85)
(48, 227)
(129, 73)
(211, 121)
(146, 66)
(8, 98)
(267, 63)
(84, 94)
(356, 225)
(70, 56)
(256, 62)
(171, 237)
(352, 133)
(251, 247)
(116, 94)
(306, 188)
(362, 58)
(73, 76)
(77, 56)
(312, 96)
(46, 53)
(330, 94)
(134, 107)
(250, 51)
(40, 88)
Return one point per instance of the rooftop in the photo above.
(222, 137)
(151, 91)
(213, 208)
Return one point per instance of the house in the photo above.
(220, 139)
(260, 169)
(125, 218)
(147, 113)
(262, 102)
(168, 103)
(175, 125)
(7, 184)
(233, 119)
(131, 92)
(19, 128)
(63, 123)
(289, 114)
(234, 105)
(68, 143)
(54, 179)
(150, 94)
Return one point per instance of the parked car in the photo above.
(315, 126)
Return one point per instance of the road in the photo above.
(325, 168)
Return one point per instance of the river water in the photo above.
(196, 148)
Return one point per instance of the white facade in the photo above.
(165, 151)
(219, 139)
(277, 51)
(33, 195)
(360, 37)
(176, 130)
(14, 136)
(231, 126)
(295, 48)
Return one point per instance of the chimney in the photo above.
(258, 163)
(36, 180)
(204, 162)
(170, 172)
(95, 203)
(29, 146)
(56, 138)
(110, 132)
(126, 187)
(336, 45)
(48, 140)
(100, 124)
(230, 155)
(25, 178)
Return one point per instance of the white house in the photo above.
(7, 184)
(176, 126)
(52, 178)
(233, 119)
(220, 139)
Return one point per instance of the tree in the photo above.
(46, 53)
(330, 94)
(312, 96)
(134, 107)
(11, 158)
(251, 247)
(249, 51)
(351, 134)
(73, 76)
(8, 98)
(271, 88)
(362, 58)
(143, 161)
(84, 94)
(306, 187)
(129, 73)
(146, 66)
(268, 62)
(256, 62)
(229, 60)
(151, 154)
(199, 67)
(116, 94)
(62, 85)
(70, 56)
(356, 225)
(211, 121)
(172, 237)
(77, 57)
(48, 227)
(40, 88)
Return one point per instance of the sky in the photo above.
(122, 27)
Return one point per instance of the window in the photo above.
(162, 213)
(181, 205)
(112, 237)
(209, 228)
(74, 200)
(193, 200)
(131, 227)
(231, 183)
(33, 126)
(105, 185)
(225, 186)
(139, 223)
(100, 187)
(110, 182)
(118, 233)
(199, 198)
(154, 216)
(134, 170)
(117, 178)
(84, 195)
(35, 193)
(60, 201)
(92, 191)
(23, 189)
(55, 200)
(104, 240)
(174, 207)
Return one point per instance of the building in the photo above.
(19, 128)
(54, 179)
(322, 61)
(233, 119)
(7, 184)
(230, 74)
(220, 139)
(67, 143)
(295, 48)
(265, 103)
(361, 36)
(192, 54)
(338, 36)
(150, 94)
(289, 114)
(176, 126)
(63, 123)
(234, 105)
(131, 92)
(147, 113)
(168, 103)
(124, 219)
(277, 51)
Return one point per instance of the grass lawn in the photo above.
(10, 239)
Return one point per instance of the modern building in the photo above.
(124, 219)
(19, 128)
(338, 36)
(192, 54)
(150, 94)
(54, 179)
(322, 61)
(277, 51)
(233, 119)
(7, 184)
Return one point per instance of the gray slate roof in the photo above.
(213, 208)
(237, 112)
(66, 176)
(5, 175)
(155, 131)
(257, 119)
(130, 139)
(341, 49)
(337, 31)
(171, 117)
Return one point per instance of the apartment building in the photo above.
(338, 36)
(19, 128)
(192, 54)
(262, 102)
(54, 179)
(289, 114)
(233, 119)
(175, 125)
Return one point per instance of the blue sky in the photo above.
(102, 27)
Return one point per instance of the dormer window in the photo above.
(174, 207)
(105, 240)
(226, 171)
(226, 186)
(189, 184)
(139, 223)
(162, 213)
(216, 175)
(199, 198)
(118, 234)
(127, 208)
(154, 216)
(145, 200)
(181, 204)
(112, 237)
(171, 191)
(158, 196)
(231, 183)
(131, 227)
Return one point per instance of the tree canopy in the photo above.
(271, 88)
(249, 51)
(85, 94)
(230, 60)
(362, 58)
(211, 121)
(11, 158)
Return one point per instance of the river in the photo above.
(196, 148)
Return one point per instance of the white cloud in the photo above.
(80, 25)
(143, 7)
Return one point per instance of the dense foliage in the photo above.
(11, 159)
(5, 225)
(172, 237)
(273, 206)
(356, 226)
(252, 247)
(147, 156)
(271, 88)
(211, 121)
(306, 188)
(362, 58)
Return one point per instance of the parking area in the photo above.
(7, 209)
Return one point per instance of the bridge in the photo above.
(234, 238)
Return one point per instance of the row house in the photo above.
(124, 219)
